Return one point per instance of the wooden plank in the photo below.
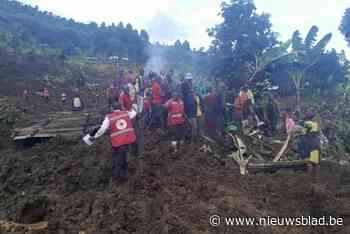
(57, 130)
(65, 124)
(24, 137)
(283, 150)
(7, 225)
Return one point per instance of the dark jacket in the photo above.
(190, 105)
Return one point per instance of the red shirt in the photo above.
(175, 112)
(125, 101)
(146, 105)
(156, 93)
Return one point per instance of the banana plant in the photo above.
(304, 55)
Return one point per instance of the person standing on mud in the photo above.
(46, 94)
(209, 112)
(77, 103)
(309, 144)
(157, 118)
(190, 104)
(138, 123)
(110, 94)
(176, 119)
(243, 100)
(272, 114)
(125, 99)
(25, 94)
(122, 135)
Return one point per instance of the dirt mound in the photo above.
(68, 185)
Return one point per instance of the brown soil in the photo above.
(68, 185)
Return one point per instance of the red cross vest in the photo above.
(176, 113)
(122, 131)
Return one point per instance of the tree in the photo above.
(328, 72)
(241, 38)
(345, 25)
(304, 56)
(31, 29)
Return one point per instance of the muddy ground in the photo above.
(68, 185)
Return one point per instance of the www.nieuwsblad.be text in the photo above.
(216, 221)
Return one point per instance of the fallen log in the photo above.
(239, 155)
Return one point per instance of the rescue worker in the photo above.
(125, 99)
(157, 119)
(77, 103)
(122, 135)
(176, 119)
(309, 144)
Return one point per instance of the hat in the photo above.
(188, 76)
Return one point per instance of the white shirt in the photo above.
(77, 102)
(106, 123)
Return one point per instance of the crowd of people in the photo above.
(186, 112)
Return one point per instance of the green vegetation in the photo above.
(27, 30)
